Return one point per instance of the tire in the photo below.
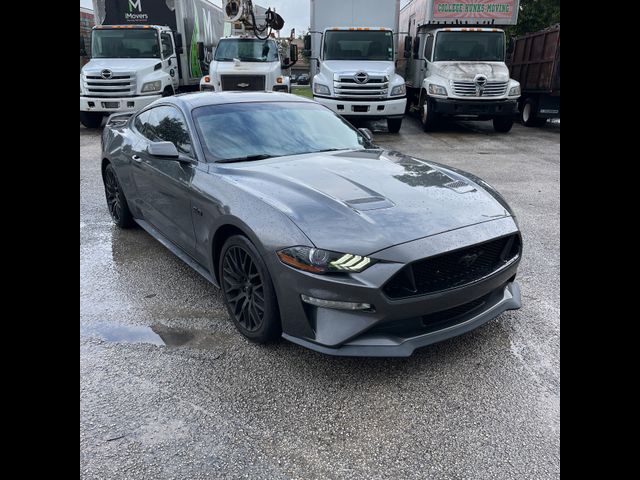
(167, 92)
(116, 201)
(428, 118)
(529, 114)
(91, 119)
(394, 124)
(247, 289)
(503, 124)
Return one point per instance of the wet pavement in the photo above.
(169, 390)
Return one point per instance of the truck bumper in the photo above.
(475, 107)
(365, 109)
(115, 105)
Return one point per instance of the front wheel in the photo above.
(91, 119)
(502, 124)
(428, 117)
(248, 291)
(394, 124)
(529, 114)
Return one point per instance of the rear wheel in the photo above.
(118, 207)
(248, 291)
(529, 114)
(394, 124)
(428, 117)
(503, 124)
(91, 119)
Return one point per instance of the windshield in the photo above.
(247, 50)
(358, 45)
(239, 130)
(469, 46)
(125, 43)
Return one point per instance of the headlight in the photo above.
(437, 90)
(514, 91)
(321, 89)
(399, 90)
(152, 86)
(316, 260)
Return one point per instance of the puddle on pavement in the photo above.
(157, 335)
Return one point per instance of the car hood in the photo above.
(364, 201)
(467, 71)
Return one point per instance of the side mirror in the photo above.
(163, 150)
(83, 51)
(178, 39)
(407, 46)
(416, 48)
(201, 51)
(367, 133)
(307, 44)
(293, 53)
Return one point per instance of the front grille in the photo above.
(469, 89)
(453, 269)
(119, 85)
(244, 83)
(374, 88)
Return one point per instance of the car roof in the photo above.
(200, 99)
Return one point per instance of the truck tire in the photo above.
(428, 118)
(91, 119)
(168, 91)
(394, 124)
(529, 114)
(503, 124)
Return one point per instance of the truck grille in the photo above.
(119, 85)
(469, 89)
(243, 82)
(453, 269)
(374, 88)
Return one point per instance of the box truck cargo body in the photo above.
(143, 50)
(353, 49)
(454, 60)
(535, 63)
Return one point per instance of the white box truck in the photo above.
(454, 60)
(248, 59)
(142, 50)
(352, 46)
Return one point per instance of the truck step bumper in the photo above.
(365, 109)
(113, 105)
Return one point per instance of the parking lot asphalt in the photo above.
(169, 389)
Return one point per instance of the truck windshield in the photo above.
(125, 43)
(358, 45)
(247, 50)
(469, 47)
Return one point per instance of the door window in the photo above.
(167, 45)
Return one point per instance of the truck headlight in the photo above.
(321, 89)
(152, 86)
(515, 91)
(316, 260)
(399, 90)
(437, 89)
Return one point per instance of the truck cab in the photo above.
(355, 75)
(460, 72)
(130, 67)
(246, 63)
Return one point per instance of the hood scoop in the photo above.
(369, 203)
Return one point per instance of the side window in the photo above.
(428, 47)
(167, 45)
(141, 121)
(167, 125)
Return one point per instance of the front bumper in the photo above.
(117, 104)
(395, 327)
(492, 108)
(392, 108)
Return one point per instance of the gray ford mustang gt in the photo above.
(311, 231)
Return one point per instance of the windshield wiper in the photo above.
(248, 158)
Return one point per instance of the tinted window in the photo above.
(167, 45)
(246, 129)
(165, 124)
(428, 47)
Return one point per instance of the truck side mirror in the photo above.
(293, 53)
(201, 51)
(178, 39)
(416, 48)
(307, 44)
(407, 46)
(83, 51)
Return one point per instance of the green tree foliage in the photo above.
(535, 15)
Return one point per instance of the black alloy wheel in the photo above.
(116, 201)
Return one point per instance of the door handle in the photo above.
(136, 158)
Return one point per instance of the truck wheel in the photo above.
(529, 114)
(168, 91)
(503, 124)
(428, 118)
(91, 119)
(394, 124)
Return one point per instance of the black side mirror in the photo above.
(178, 39)
(407, 46)
(307, 44)
(293, 53)
(163, 150)
(83, 51)
(201, 51)
(416, 48)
